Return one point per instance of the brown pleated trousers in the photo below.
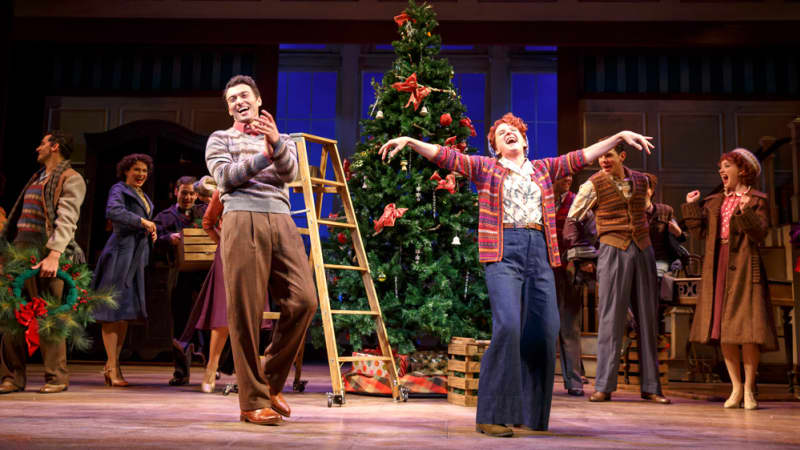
(14, 351)
(263, 251)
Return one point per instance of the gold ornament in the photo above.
(404, 165)
(424, 111)
(379, 114)
(381, 277)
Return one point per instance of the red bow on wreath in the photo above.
(418, 91)
(27, 317)
(390, 214)
(449, 182)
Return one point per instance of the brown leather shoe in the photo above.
(8, 387)
(598, 396)
(494, 430)
(52, 388)
(263, 416)
(279, 404)
(656, 398)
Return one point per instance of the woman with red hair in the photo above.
(516, 240)
(733, 308)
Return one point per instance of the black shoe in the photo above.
(575, 392)
(178, 381)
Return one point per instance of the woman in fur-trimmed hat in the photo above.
(733, 308)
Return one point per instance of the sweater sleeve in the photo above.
(68, 212)
(567, 164)
(116, 210)
(229, 174)
(467, 165)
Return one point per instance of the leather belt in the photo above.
(527, 226)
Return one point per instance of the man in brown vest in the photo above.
(626, 270)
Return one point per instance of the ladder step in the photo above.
(335, 223)
(325, 181)
(354, 312)
(364, 358)
(337, 266)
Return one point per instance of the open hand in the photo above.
(393, 146)
(175, 238)
(265, 124)
(48, 266)
(637, 141)
(693, 196)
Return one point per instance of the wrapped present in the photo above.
(379, 368)
(417, 385)
(429, 362)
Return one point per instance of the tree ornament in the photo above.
(456, 241)
(396, 291)
(467, 122)
(342, 238)
(404, 165)
(381, 276)
(466, 285)
(387, 219)
(364, 185)
(418, 91)
(419, 193)
(417, 253)
(424, 111)
(379, 114)
(433, 202)
(445, 119)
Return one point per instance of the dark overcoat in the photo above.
(125, 255)
(747, 312)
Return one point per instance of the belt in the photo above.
(723, 241)
(527, 226)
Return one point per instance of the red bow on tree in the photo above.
(402, 18)
(390, 214)
(449, 182)
(27, 317)
(466, 122)
(449, 142)
(346, 168)
(418, 91)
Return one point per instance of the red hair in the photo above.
(512, 120)
(747, 173)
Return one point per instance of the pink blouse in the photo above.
(728, 208)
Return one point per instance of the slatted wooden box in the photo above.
(463, 369)
(633, 376)
(195, 251)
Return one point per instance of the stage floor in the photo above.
(152, 414)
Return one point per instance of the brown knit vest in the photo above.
(621, 221)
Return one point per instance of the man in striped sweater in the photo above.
(261, 249)
(45, 216)
(517, 238)
(626, 271)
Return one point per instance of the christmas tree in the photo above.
(418, 222)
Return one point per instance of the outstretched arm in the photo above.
(429, 151)
(635, 140)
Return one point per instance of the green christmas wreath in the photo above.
(46, 317)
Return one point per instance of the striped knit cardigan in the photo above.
(488, 177)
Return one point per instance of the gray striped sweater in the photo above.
(247, 179)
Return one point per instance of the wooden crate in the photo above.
(463, 368)
(195, 251)
(634, 372)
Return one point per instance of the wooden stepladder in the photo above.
(313, 186)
